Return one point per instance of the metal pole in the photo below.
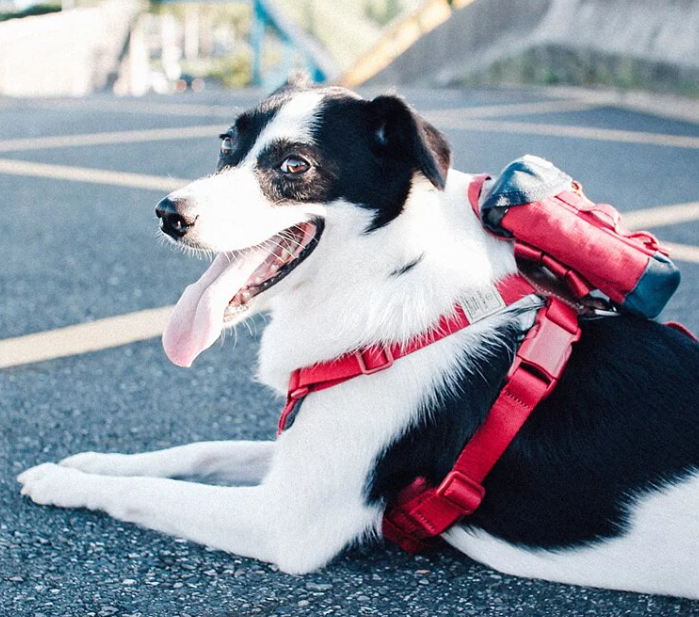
(257, 36)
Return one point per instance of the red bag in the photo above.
(555, 225)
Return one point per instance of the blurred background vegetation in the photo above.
(345, 29)
(166, 46)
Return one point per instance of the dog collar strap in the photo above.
(422, 512)
(370, 360)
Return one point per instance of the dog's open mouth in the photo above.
(288, 249)
(227, 288)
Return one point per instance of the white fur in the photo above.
(459, 257)
(292, 122)
(656, 554)
(225, 462)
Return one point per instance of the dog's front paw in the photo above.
(97, 463)
(52, 485)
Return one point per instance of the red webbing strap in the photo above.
(422, 512)
(474, 192)
(374, 359)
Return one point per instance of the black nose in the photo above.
(175, 221)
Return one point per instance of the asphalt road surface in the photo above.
(79, 244)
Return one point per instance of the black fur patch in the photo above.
(373, 149)
(247, 128)
(314, 185)
(364, 152)
(623, 420)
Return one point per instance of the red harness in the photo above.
(372, 360)
(422, 512)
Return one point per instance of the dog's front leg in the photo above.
(227, 462)
(220, 517)
(299, 532)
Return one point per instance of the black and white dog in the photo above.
(342, 218)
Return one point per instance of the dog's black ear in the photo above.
(297, 80)
(401, 134)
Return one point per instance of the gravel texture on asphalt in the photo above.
(75, 563)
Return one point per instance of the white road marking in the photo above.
(93, 176)
(132, 106)
(84, 338)
(442, 116)
(139, 326)
(114, 137)
(576, 132)
(670, 106)
(661, 216)
(446, 116)
(467, 118)
(682, 252)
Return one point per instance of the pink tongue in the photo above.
(197, 320)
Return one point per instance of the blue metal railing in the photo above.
(298, 46)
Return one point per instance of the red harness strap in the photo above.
(423, 512)
(371, 360)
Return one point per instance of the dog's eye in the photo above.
(294, 165)
(226, 146)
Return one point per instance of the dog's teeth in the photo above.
(235, 309)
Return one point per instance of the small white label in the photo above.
(482, 304)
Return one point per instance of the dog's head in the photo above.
(283, 168)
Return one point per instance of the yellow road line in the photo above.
(114, 137)
(443, 116)
(84, 338)
(93, 176)
(138, 326)
(141, 107)
(577, 132)
(451, 115)
(683, 252)
(662, 216)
